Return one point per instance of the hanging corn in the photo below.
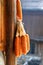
(22, 40)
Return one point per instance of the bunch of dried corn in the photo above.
(22, 41)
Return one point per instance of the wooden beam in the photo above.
(10, 26)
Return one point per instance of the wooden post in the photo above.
(10, 26)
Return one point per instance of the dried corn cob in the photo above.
(20, 53)
(24, 44)
(16, 46)
(28, 42)
(19, 10)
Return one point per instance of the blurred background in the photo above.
(33, 23)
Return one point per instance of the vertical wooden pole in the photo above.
(10, 23)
